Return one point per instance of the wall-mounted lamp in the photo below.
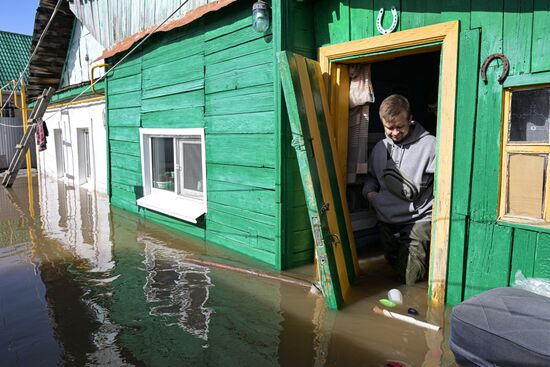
(260, 16)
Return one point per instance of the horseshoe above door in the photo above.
(379, 26)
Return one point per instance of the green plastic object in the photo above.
(387, 302)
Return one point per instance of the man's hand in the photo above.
(371, 195)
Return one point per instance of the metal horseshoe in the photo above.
(506, 67)
(379, 26)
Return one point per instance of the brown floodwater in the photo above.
(83, 283)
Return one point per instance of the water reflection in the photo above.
(87, 284)
(177, 289)
(79, 221)
(21, 276)
(26, 331)
(75, 223)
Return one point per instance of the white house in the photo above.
(76, 151)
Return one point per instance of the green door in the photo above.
(308, 111)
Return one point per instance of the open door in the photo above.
(312, 137)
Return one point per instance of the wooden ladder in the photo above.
(21, 149)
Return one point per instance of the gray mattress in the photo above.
(502, 327)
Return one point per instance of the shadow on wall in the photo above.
(138, 192)
(336, 22)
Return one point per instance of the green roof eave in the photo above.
(69, 93)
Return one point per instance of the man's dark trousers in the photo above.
(406, 248)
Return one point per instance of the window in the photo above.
(84, 161)
(525, 186)
(9, 111)
(174, 172)
(59, 155)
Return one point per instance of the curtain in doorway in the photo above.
(361, 94)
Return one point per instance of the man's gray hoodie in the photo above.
(404, 182)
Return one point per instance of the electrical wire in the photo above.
(121, 60)
(34, 52)
(108, 71)
(7, 85)
(13, 126)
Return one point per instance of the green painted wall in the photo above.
(217, 74)
(483, 253)
(299, 37)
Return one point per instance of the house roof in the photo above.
(15, 50)
(112, 21)
(47, 64)
(189, 17)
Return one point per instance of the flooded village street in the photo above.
(274, 183)
(83, 283)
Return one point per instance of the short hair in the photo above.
(392, 106)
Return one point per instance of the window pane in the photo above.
(526, 181)
(530, 116)
(162, 162)
(88, 169)
(192, 166)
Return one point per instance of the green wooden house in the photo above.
(200, 134)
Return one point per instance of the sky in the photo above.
(17, 16)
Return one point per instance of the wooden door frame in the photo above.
(408, 42)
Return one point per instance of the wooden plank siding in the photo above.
(540, 52)
(298, 238)
(362, 19)
(124, 100)
(215, 74)
(240, 153)
(464, 138)
(518, 23)
(542, 256)
(484, 197)
(218, 74)
(483, 251)
(488, 246)
(523, 254)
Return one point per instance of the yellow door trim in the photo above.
(447, 34)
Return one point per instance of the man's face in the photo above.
(398, 128)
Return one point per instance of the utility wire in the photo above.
(7, 85)
(34, 52)
(121, 60)
(107, 72)
(14, 126)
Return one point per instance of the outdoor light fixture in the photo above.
(260, 16)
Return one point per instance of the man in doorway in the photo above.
(399, 186)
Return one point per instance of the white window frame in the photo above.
(186, 207)
(178, 145)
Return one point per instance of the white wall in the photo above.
(83, 50)
(89, 116)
